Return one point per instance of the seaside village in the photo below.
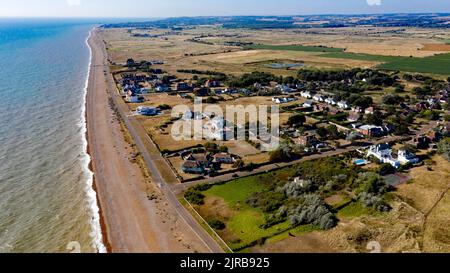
(396, 128)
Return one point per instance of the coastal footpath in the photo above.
(131, 221)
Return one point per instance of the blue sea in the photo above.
(46, 198)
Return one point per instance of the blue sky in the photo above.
(169, 8)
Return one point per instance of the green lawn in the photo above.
(294, 48)
(438, 64)
(236, 192)
(355, 209)
(246, 221)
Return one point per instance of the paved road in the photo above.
(136, 130)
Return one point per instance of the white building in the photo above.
(216, 129)
(406, 157)
(343, 105)
(306, 94)
(383, 153)
(330, 101)
(318, 98)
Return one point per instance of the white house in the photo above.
(216, 129)
(343, 105)
(383, 152)
(330, 101)
(280, 100)
(406, 157)
(147, 111)
(318, 98)
(308, 103)
(306, 94)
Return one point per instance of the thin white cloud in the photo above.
(374, 2)
(73, 3)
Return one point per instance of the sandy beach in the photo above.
(131, 222)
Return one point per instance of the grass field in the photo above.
(294, 48)
(243, 222)
(438, 64)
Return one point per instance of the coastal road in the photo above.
(152, 157)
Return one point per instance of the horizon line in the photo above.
(218, 16)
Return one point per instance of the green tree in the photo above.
(296, 120)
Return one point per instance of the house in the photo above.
(353, 116)
(147, 111)
(434, 136)
(189, 115)
(201, 92)
(318, 98)
(357, 109)
(330, 101)
(383, 153)
(406, 157)
(306, 94)
(193, 167)
(182, 86)
(306, 141)
(371, 130)
(133, 97)
(343, 105)
(422, 142)
(162, 88)
(224, 158)
(369, 111)
(212, 83)
(421, 106)
(282, 100)
(216, 129)
(308, 103)
(284, 88)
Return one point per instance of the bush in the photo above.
(216, 224)
(386, 169)
(313, 211)
(444, 148)
(194, 197)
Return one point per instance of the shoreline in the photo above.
(131, 222)
(102, 244)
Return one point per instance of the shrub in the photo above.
(386, 169)
(313, 211)
(444, 148)
(216, 224)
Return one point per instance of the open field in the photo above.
(206, 48)
(438, 64)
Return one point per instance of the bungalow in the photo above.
(284, 88)
(406, 157)
(330, 101)
(182, 86)
(133, 97)
(383, 153)
(162, 88)
(147, 111)
(193, 167)
(224, 158)
(318, 98)
(343, 105)
(306, 94)
(308, 103)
